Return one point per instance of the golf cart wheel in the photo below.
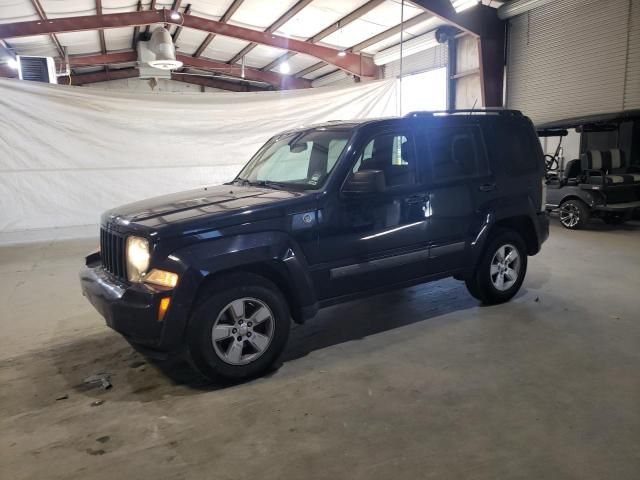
(613, 218)
(574, 214)
(239, 330)
(500, 270)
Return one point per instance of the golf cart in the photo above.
(602, 177)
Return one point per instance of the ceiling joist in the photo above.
(343, 22)
(359, 65)
(412, 22)
(204, 81)
(224, 19)
(288, 15)
(43, 16)
(252, 74)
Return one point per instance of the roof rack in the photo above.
(470, 111)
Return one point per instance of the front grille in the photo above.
(112, 252)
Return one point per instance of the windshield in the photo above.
(300, 159)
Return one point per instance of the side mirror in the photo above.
(363, 182)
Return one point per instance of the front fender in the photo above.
(198, 262)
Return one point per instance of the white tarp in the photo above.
(69, 153)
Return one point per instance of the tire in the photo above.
(234, 354)
(484, 284)
(616, 218)
(574, 214)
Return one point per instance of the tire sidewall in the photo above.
(488, 292)
(201, 351)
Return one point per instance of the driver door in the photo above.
(371, 240)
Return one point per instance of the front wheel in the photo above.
(239, 331)
(500, 270)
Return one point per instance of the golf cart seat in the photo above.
(608, 167)
(571, 172)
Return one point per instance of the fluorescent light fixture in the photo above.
(461, 5)
(12, 63)
(342, 53)
(175, 15)
(284, 68)
(415, 45)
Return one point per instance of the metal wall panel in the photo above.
(632, 84)
(568, 58)
(417, 63)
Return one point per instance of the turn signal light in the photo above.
(164, 306)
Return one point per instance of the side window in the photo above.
(456, 152)
(394, 155)
(519, 153)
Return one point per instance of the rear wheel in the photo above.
(574, 214)
(240, 331)
(501, 269)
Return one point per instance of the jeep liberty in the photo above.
(319, 216)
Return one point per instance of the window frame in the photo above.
(411, 136)
(481, 153)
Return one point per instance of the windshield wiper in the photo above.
(268, 184)
(260, 183)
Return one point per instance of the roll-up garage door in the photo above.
(574, 57)
(435, 57)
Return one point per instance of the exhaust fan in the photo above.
(157, 57)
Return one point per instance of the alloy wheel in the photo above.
(569, 215)
(242, 331)
(505, 267)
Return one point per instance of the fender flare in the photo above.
(198, 263)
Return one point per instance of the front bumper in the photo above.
(131, 310)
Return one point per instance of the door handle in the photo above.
(487, 187)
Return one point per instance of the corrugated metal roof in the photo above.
(254, 14)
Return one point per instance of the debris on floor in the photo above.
(97, 403)
(102, 379)
(62, 397)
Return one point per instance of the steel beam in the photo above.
(43, 16)
(412, 22)
(334, 27)
(176, 34)
(479, 21)
(288, 15)
(224, 19)
(97, 77)
(277, 80)
(274, 79)
(350, 62)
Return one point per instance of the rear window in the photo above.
(514, 144)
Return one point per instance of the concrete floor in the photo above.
(420, 383)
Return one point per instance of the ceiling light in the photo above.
(461, 5)
(12, 63)
(175, 16)
(342, 53)
(284, 68)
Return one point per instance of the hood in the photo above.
(203, 203)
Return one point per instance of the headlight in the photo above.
(137, 258)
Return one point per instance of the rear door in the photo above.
(459, 178)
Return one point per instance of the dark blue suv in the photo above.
(318, 216)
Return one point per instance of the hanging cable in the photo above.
(401, 48)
